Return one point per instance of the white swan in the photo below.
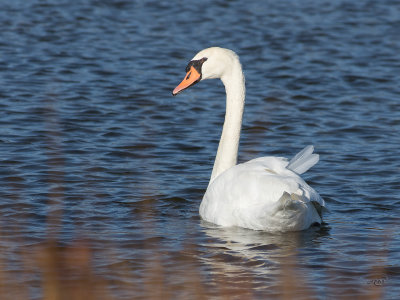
(266, 193)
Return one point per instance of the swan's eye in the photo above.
(196, 64)
(203, 60)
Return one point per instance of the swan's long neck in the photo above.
(229, 143)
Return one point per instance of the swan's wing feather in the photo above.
(303, 153)
(303, 160)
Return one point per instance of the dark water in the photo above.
(93, 145)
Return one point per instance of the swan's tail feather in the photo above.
(303, 160)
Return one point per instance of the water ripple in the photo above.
(93, 146)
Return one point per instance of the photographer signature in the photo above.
(378, 281)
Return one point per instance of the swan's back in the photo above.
(262, 194)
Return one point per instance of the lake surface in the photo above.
(102, 171)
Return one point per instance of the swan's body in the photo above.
(266, 193)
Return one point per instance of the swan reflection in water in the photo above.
(232, 250)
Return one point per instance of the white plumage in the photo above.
(265, 193)
(261, 194)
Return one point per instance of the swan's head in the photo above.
(209, 63)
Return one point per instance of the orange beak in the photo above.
(192, 77)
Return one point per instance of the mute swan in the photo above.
(265, 193)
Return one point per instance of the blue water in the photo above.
(93, 145)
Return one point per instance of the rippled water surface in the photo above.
(95, 151)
